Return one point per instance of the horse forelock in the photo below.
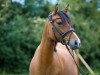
(64, 17)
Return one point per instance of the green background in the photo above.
(21, 27)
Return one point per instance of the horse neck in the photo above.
(47, 47)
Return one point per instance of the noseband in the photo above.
(62, 35)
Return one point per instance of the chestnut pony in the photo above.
(52, 57)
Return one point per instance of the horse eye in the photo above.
(59, 23)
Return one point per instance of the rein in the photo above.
(62, 35)
(80, 69)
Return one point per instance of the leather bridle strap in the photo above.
(62, 35)
(65, 34)
(55, 29)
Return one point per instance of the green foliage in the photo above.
(37, 7)
(20, 34)
(18, 44)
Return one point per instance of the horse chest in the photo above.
(61, 64)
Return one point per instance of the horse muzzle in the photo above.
(74, 44)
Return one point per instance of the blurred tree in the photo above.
(18, 38)
(37, 7)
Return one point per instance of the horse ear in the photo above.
(66, 8)
(55, 9)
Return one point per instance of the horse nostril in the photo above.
(76, 42)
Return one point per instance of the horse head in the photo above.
(62, 29)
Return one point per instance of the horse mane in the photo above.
(64, 17)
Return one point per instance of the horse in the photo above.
(51, 56)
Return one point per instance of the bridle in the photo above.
(62, 35)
